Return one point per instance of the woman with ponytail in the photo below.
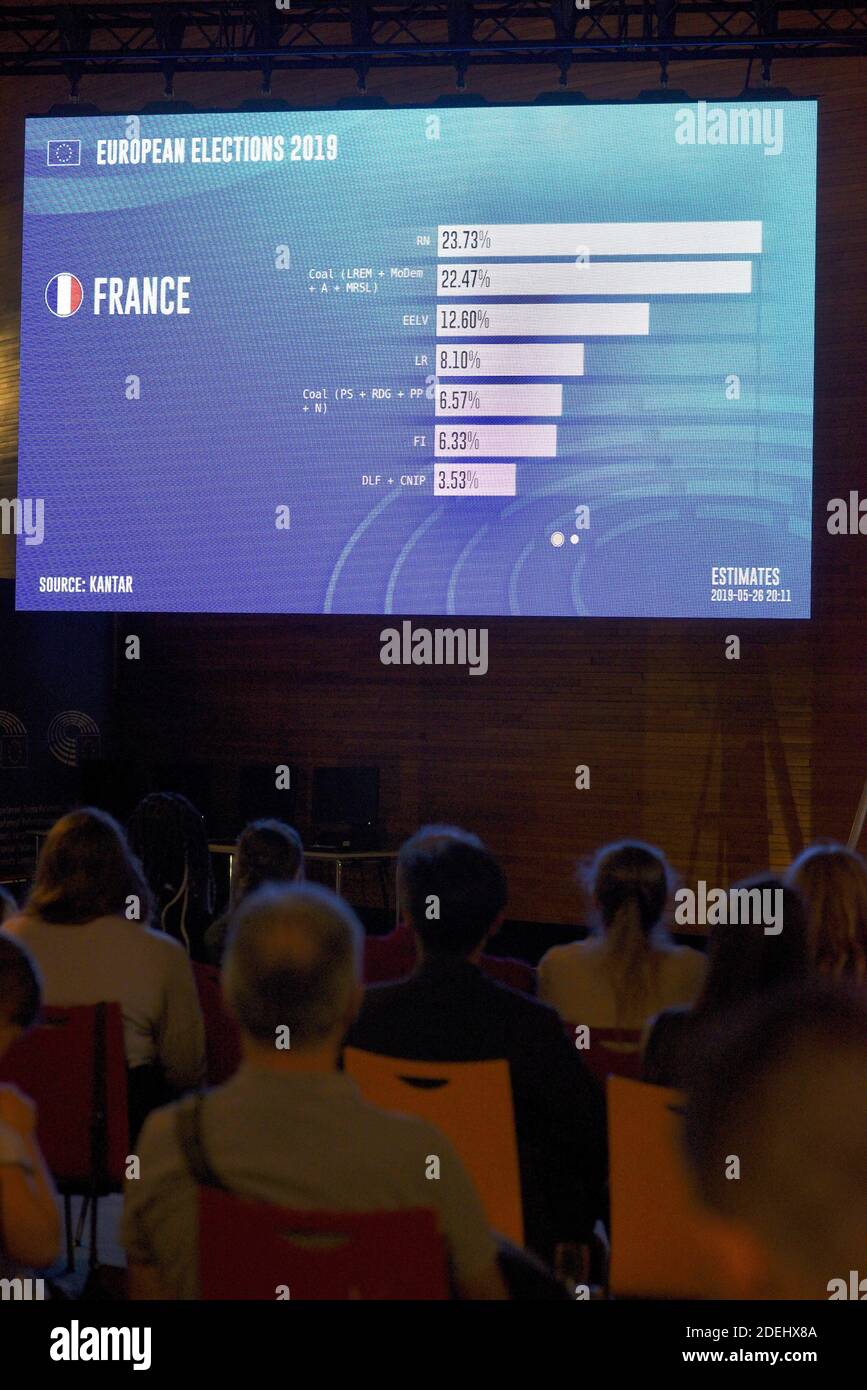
(268, 851)
(628, 968)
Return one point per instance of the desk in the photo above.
(337, 857)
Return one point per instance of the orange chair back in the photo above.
(250, 1250)
(658, 1245)
(471, 1102)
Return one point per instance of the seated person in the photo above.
(832, 880)
(169, 838)
(783, 1085)
(394, 956)
(629, 968)
(743, 960)
(453, 892)
(85, 925)
(289, 1128)
(29, 1221)
(267, 852)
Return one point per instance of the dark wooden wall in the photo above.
(730, 766)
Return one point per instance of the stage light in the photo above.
(362, 101)
(562, 98)
(75, 108)
(664, 94)
(766, 94)
(461, 99)
(168, 108)
(264, 104)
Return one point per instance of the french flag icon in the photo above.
(63, 295)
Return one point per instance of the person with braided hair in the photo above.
(268, 851)
(629, 968)
(168, 836)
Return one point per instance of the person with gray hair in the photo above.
(289, 1128)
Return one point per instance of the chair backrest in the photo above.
(222, 1039)
(658, 1244)
(471, 1102)
(250, 1250)
(72, 1065)
(610, 1051)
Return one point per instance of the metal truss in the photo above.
(272, 35)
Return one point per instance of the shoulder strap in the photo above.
(188, 1131)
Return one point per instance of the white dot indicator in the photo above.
(574, 539)
(558, 539)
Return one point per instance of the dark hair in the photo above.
(780, 1083)
(743, 960)
(20, 984)
(169, 836)
(86, 870)
(268, 852)
(629, 882)
(449, 873)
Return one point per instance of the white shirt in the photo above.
(112, 960)
(575, 980)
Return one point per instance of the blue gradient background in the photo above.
(179, 488)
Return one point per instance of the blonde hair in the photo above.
(833, 883)
(630, 884)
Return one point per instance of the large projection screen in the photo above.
(536, 361)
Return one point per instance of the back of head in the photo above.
(629, 882)
(293, 960)
(782, 1086)
(170, 838)
(832, 880)
(451, 889)
(86, 870)
(20, 985)
(745, 960)
(268, 852)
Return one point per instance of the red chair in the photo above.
(222, 1039)
(612, 1051)
(250, 1250)
(73, 1066)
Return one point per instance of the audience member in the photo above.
(289, 1128)
(833, 882)
(628, 968)
(393, 957)
(85, 924)
(8, 905)
(29, 1222)
(453, 892)
(168, 836)
(267, 852)
(782, 1087)
(743, 961)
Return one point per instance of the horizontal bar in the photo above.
(475, 480)
(543, 320)
(602, 239)
(598, 277)
(469, 401)
(510, 359)
(496, 441)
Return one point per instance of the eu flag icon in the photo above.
(64, 153)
